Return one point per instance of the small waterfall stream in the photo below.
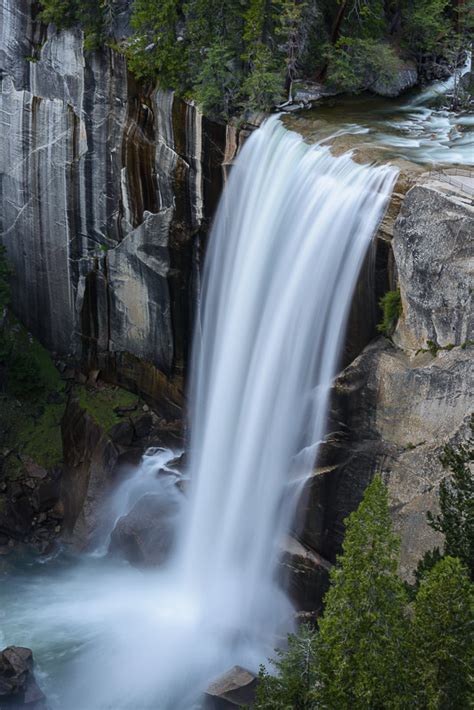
(286, 248)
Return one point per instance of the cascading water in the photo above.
(288, 242)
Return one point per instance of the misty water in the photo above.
(290, 236)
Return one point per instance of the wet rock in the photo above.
(142, 425)
(304, 574)
(145, 536)
(234, 689)
(18, 687)
(122, 433)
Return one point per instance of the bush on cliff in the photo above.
(391, 305)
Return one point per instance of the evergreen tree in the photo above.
(263, 87)
(157, 51)
(456, 501)
(442, 654)
(293, 684)
(363, 632)
(218, 81)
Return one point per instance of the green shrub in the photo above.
(354, 64)
(391, 305)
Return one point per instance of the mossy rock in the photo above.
(105, 403)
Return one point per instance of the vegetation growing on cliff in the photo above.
(375, 646)
(455, 519)
(391, 305)
(231, 56)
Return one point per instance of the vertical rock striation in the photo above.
(105, 191)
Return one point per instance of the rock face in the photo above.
(106, 190)
(98, 450)
(304, 574)
(397, 405)
(18, 688)
(433, 246)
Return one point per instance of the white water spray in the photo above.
(288, 242)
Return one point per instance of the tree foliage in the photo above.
(364, 628)
(376, 648)
(90, 15)
(292, 684)
(456, 501)
(268, 44)
(442, 640)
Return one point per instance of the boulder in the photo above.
(18, 687)
(145, 536)
(406, 77)
(467, 83)
(234, 689)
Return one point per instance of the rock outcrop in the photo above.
(18, 687)
(399, 403)
(145, 536)
(234, 689)
(105, 431)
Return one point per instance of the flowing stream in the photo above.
(290, 236)
(417, 126)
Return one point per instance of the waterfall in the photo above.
(286, 248)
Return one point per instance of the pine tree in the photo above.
(363, 633)
(156, 50)
(442, 650)
(456, 502)
(293, 684)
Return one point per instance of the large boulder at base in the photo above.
(234, 689)
(145, 536)
(18, 688)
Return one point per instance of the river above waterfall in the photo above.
(417, 126)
